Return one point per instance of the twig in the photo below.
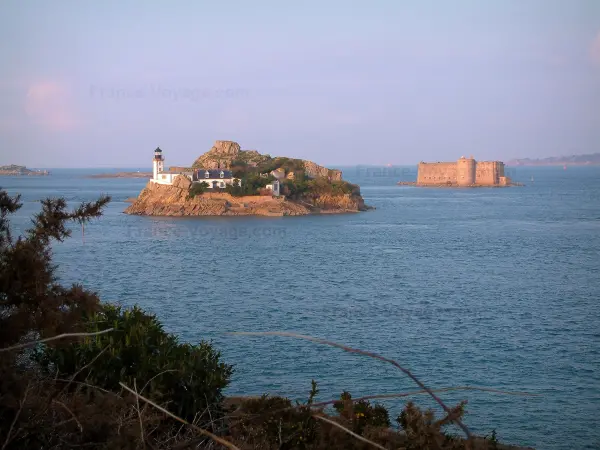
(85, 367)
(137, 401)
(12, 425)
(362, 352)
(195, 427)
(88, 385)
(209, 414)
(70, 412)
(156, 376)
(54, 338)
(351, 433)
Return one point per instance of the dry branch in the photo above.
(54, 338)
(365, 353)
(173, 416)
(351, 433)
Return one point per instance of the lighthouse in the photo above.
(157, 163)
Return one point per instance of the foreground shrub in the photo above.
(141, 354)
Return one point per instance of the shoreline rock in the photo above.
(174, 200)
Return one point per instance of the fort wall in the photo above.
(464, 172)
(436, 173)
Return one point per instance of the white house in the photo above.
(215, 178)
(275, 188)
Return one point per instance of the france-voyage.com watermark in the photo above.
(165, 93)
(134, 232)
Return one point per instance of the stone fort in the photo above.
(464, 172)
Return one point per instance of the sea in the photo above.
(495, 288)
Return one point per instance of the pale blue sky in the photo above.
(339, 82)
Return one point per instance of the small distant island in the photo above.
(122, 175)
(229, 181)
(466, 172)
(573, 160)
(14, 170)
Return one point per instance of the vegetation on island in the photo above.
(76, 372)
(296, 185)
(14, 169)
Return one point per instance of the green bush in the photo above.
(198, 189)
(190, 378)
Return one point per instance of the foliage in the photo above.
(140, 352)
(252, 182)
(361, 414)
(272, 422)
(198, 189)
(239, 168)
(424, 432)
(32, 303)
(322, 186)
(294, 189)
(65, 393)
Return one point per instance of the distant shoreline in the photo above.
(122, 175)
(549, 164)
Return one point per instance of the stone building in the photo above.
(464, 172)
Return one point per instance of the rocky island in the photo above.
(14, 170)
(229, 181)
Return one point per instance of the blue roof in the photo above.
(214, 173)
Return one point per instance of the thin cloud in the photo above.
(50, 105)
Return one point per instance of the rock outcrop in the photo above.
(314, 170)
(174, 200)
(224, 153)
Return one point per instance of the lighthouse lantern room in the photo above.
(157, 163)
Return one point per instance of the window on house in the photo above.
(222, 175)
(207, 175)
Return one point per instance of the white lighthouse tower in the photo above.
(157, 163)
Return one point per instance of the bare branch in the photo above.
(362, 352)
(137, 402)
(70, 412)
(85, 367)
(179, 419)
(54, 338)
(12, 425)
(351, 433)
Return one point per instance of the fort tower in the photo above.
(465, 171)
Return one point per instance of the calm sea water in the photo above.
(497, 288)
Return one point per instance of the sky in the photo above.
(86, 84)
